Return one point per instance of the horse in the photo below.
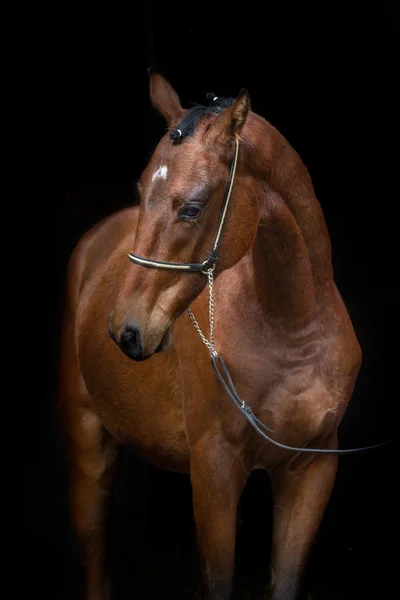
(135, 368)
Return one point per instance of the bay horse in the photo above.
(135, 372)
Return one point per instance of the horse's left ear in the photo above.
(230, 122)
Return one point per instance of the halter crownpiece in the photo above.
(210, 261)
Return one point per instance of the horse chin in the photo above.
(166, 341)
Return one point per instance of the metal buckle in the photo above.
(209, 265)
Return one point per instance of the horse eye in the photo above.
(190, 211)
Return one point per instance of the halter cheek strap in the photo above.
(210, 261)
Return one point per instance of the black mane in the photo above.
(195, 114)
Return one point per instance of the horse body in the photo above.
(282, 329)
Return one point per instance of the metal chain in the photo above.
(209, 343)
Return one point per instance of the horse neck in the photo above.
(291, 256)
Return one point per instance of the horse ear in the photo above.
(165, 99)
(230, 122)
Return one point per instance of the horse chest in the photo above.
(301, 402)
(286, 388)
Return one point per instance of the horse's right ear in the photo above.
(165, 99)
(230, 121)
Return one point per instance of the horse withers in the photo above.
(226, 195)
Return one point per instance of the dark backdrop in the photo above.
(323, 75)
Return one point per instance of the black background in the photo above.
(324, 76)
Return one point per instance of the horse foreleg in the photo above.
(92, 455)
(218, 478)
(301, 496)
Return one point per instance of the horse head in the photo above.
(182, 191)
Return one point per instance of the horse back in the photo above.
(94, 247)
(86, 263)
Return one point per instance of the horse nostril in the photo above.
(129, 335)
(131, 342)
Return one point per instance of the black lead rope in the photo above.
(259, 426)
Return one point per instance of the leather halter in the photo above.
(210, 261)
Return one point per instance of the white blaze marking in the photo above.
(161, 173)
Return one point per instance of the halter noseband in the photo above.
(210, 261)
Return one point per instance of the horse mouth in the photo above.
(166, 340)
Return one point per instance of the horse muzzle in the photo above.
(139, 345)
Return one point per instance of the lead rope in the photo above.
(227, 383)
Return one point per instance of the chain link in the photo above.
(209, 343)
